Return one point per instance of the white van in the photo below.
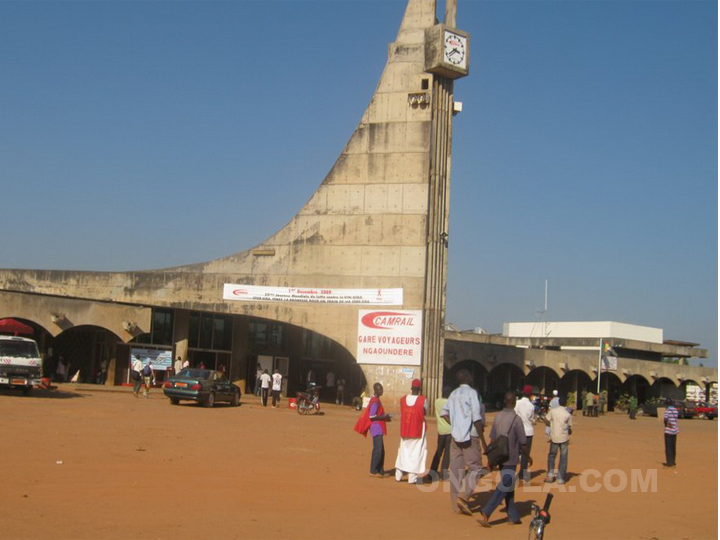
(20, 363)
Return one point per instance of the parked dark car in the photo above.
(205, 386)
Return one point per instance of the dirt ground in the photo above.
(105, 465)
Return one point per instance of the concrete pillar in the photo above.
(437, 239)
(238, 357)
(111, 343)
(181, 330)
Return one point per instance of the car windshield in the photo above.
(195, 373)
(18, 349)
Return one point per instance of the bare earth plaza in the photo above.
(351, 292)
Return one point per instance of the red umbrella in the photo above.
(15, 327)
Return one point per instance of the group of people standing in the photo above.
(461, 442)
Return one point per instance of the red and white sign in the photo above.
(313, 295)
(389, 337)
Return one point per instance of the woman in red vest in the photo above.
(412, 454)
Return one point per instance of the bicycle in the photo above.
(541, 517)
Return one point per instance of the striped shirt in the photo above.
(671, 419)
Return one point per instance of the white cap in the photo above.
(554, 392)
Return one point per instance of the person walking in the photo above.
(412, 454)
(670, 420)
(589, 403)
(340, 395)
(135, 370)
(148, 377)
(467, 423)
(265, 381)
(442, 453)
(258, 374)
(330, 385)
(555, 401)
(186, 363)
(62, 370)
(596, 401)
(526, 411)
(276, 387)
(178, 365)
(509, 424)
(560, 422)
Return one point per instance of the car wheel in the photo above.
(235, 401)
(210, 401)
(174, 401)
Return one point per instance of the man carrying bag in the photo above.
(507, 440)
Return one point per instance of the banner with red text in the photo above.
(314, 295)
(389, 337)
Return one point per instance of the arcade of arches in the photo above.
(493, 383)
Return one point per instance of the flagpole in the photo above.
(599, 364)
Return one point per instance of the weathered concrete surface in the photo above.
(56, 314)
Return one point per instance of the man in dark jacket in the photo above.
(507, 423)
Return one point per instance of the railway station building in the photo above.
(355, 283)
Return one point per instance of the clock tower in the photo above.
(447, 57)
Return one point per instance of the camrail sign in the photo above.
(389, 337)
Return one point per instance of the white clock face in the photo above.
(455, 49)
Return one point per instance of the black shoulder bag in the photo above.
(498, 451)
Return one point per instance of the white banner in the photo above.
(389, 337)
(367, 297)
(160, 360)
(609, 363)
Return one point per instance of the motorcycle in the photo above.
(308, 402)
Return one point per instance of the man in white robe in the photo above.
(412, 453)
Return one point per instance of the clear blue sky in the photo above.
(140, 135)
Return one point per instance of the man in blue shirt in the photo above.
(467, 421)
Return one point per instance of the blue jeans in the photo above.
(562, 468)
(504, 490)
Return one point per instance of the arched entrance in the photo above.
(611, 384)
(543, 380)
(503, 377)
(81, 354)
(575, 381)
(638, 386)
(665, 388)
(480, 375)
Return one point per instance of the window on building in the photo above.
(210, 331)
(161, 329)
(316, 345)
(276, 335)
